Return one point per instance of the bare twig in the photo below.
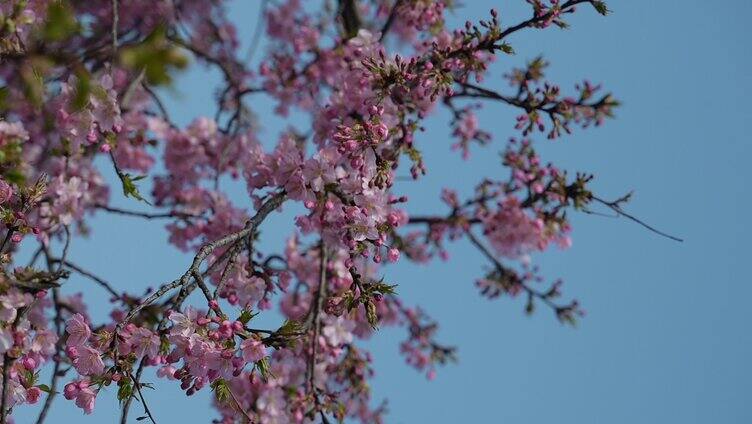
(257, 31)
(616, 207)
(390, 20)
(147, 215)
(104, 284)
(65, 247)
(137, 385)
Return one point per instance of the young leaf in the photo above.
(45, 388)
(600, 7)
(246, 316)
(263, 367)
(60, 23)
(221, 391)
(125, 391)
(290, 328)
(129, 186)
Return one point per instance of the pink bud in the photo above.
(29, 363)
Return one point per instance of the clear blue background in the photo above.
(666, 338)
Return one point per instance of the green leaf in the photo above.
(4, 98)
(371, 315)
(82, 91)
(129, 186)
(601, 7)
(506, 48)
(125, 391)
(32, 77)
(45, 388)
(60, 23)
(264, 368)
(290, 328)
(382, 288)
(221, 391)
(156, 56)
(246, 316)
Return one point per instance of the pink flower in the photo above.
(511, 231)
(145, 343)
(89, 361)
(44, 342)
(253, 350)
(183, 324)
(10, 131)
(78, 330)
(6, 191)
(85, 399)
(32, 395)
(338, 331)
(6, 340)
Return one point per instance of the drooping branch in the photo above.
(148, 215)
(563, 312)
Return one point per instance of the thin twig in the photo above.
(614, 206)
(257, 32)
(65, 247)
(237, 404)
(104, 284)
(137, 385)
(390, 20)
(147, 215)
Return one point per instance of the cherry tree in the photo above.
(80, 99)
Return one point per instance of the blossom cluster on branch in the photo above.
(79, 101)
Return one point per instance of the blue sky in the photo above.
(666, 337)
